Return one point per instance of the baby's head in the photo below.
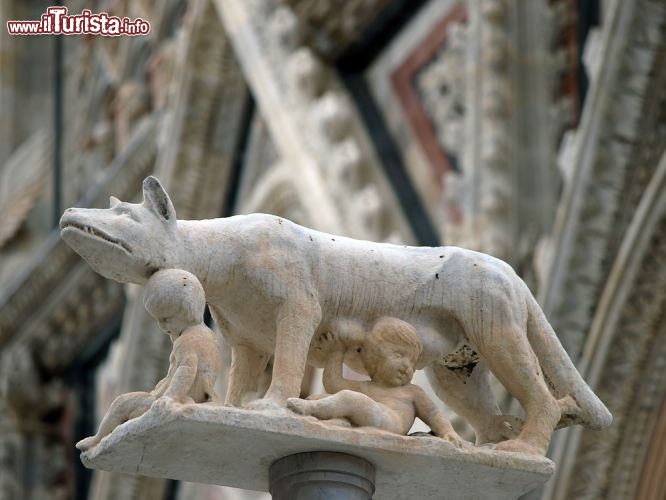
(174, 294)
(389, 334)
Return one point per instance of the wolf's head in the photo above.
(126, 242)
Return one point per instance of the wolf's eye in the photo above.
(129, 213)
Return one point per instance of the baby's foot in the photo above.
(300, 406)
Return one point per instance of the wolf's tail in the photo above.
(561, 374)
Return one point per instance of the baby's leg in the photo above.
(208, 389)
(125, 407)
(359, 409)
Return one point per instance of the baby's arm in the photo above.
(162, 385)
(433, 417)
(183, 377)
(332, 378)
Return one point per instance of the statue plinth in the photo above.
(233, 447)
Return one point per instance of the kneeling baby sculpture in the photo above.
(274, 288)
(176, 300)
(388, 401)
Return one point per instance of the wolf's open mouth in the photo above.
(98, 234)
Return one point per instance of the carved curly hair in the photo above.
(388, 330)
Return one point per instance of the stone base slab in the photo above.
(234, 447)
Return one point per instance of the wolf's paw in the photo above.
(499, 428)
(509, 426)
(265, 404)
(519, 446)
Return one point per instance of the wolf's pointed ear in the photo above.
(156, 199)
(113, 201)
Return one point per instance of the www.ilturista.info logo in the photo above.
(56, 22)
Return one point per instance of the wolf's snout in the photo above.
(63, 219)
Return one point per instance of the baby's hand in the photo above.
(327, 343)
(159, 389)
(183, 399)
(168, 403)
(453, 438)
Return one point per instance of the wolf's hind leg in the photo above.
(470, 395)
(510, 357)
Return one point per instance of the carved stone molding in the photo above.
(623, 359)
(201, 136)
(612, 320)
(330, 26)
(55, 259)
(545, 42)
(311, 119)
(12, 455)
(22, 180)
(46, 318)
(275, 193)
(489, 211)
(260, 156)
(598, 159)
(652, 482)
(33, 400)
(431, 87)
(637, 457)
(85, 305)
(632, 385)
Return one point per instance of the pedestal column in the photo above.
(321, 474)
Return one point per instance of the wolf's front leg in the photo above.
(296, 324)
(247, 368)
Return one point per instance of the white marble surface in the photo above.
(228, 446)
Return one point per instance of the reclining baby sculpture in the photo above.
(388, 401)
(274, 288)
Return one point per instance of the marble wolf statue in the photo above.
(274, 287)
